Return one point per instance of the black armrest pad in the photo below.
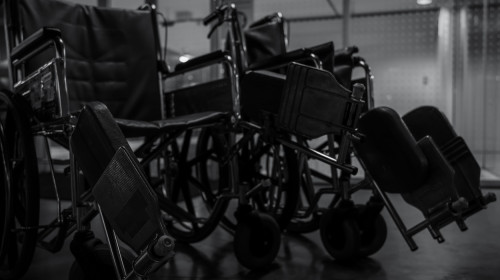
(201, 60)
(36, 39)
(281, 60)
(298, 55)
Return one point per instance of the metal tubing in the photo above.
(319, 156)
(113, 247)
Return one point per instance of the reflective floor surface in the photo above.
(473, 254)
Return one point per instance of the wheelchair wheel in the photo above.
(101, 264)
(20, 239)
(340, 235)
(196, 193)
(262, 164)
(373, 234)
(5, 195)
(257, 240)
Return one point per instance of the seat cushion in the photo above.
(134, 128)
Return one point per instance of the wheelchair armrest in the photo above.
(317, 54)
(283, 60)
(35, 42)
(201, 61)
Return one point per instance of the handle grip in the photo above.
(214, 15)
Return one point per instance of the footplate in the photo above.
(128, 202)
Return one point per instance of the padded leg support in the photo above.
(119, 186)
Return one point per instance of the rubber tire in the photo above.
(25, 197)
(257, 240)
(340, 235)
(373, 235)
(5, 194)
(102, 256)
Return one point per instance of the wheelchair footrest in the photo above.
(128, 202)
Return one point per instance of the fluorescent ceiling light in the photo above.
(185, 57)
(424, 2)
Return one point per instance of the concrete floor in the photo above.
(474, 254)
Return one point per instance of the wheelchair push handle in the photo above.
(218, 13)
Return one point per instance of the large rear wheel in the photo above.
(20, 226)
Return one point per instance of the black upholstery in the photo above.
(111, 58)
(265, 39)
(428, 120)
(313, 102)
(99, 43)
(119, 186)
(389, 151)
(95, 140)
(399, 164)
(438, 188)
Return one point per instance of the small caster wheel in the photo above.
(257, 240)
(100, 266)
(373, 233)
(340, 234)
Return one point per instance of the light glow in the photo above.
(185, 58)
(424, 2)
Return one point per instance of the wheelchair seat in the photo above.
(137, 128)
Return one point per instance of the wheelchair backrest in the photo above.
(389, 152)
(110, 54)
(265, 38)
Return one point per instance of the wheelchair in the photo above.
(347, 230)
(67, 56)
(262, 90)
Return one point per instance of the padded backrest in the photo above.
(111, 55)
(389, 152)
(265, 39)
